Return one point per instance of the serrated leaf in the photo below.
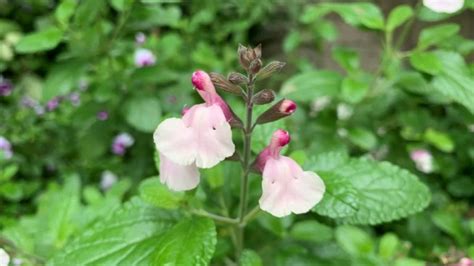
(39, 41)
(157, 194)
(250, 258)
(128, 237)
(190, 242)
(398, 16)
(143, 113)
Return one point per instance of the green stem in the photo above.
(246, 165)
(251, 215)
(216, 217)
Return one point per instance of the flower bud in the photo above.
(247, 55)
(263, 97)
(268, 70)
(221, 82)
(279, 110)
(237, 78)
(255, 66)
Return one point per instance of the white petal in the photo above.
(176, 141)
(444, 6)
(178, 177)
(214, 136)
(287, 189)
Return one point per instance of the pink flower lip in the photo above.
(198, 79)
(282, 136)
(288, 107)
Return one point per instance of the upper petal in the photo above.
(178, 177)
(176, 141)
(288, 189)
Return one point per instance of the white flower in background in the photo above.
(144, 57)
(344, 111)
(444, 6)
(17, 261)
(6, 148)
(320, 104)
(107, 180)
(423, 160)
(342, 132)
(470, 128)
(4, 258)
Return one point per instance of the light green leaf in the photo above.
(388, 245)
(347, 58)
(455, 81)
(440, 140)
(64, 11)
(309, 85)
(157, 194)
(128, 237)
(398, 16)
(291, 42)
(357, 14)
(250, 258)
(436, 34)
(7, 172)
(409, 262)
(312, 231)
(143, 113)
(451, 224)
(363, 138)
(39, 41)
(354, 241)
(426, 62)
(190, 242)
(354, 88)
(62, 78)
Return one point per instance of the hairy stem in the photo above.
(246, 165)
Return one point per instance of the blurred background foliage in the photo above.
(370, 79)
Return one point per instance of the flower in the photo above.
(4, 258)
(103, 115)
(52, 104)
(6, 147)
(121, 142)
(286, 187)
(75, 98)
(140, 38)
(107, 179)
(423, 160)
(444, 6)
(144, 57)
(6, 87)
(200, 139)
(344, 111)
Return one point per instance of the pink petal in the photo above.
(178, 177)
(213, 134)
(176, 141)
(288, 189)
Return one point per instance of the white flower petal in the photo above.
(178, 177)
(176, 141)
(444, 6)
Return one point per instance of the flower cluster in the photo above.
(5, 148)
(202, 138)
(121, 143)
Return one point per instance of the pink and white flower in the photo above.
(287, 188)
(444, 6)
(144, 57)
(107, 179)
(423, 160)
(4, 257)
(121, 143)
(200, 139)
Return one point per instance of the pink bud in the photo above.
(287, 107)
(423, 160)
(281, 138)
(144, 57)
(202, 81)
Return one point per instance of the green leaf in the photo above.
(62, 78)
(312, 231)
(354, 88)
(363, 138)
(440, 140)
(39, 41)
(426, 62)
(64, 11)
(436, 34)
(398, 16)
(309, 85)
(353, 240)
(347, 58)
(190, 242)
(143, 113)
(455, 81)
(451, 224)
(250, 258)
(153, 192)
(291, 42)
(128, 237)
(409, 262)
(7, 26)
(6, 173)
(388, 246)
(363, 191)
(357, 14)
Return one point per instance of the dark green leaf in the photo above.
(62, 78)
(312, 231)
(353, 240)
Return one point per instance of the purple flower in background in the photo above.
(52, 104)
(121, 142)
(423, 160)
(140, 38)
(6, 148)
(6, 87)
(144, 57)
(75, 98)
(103, 115)
(107, 179)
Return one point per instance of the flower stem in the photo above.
(246, 165)
(216, 217)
